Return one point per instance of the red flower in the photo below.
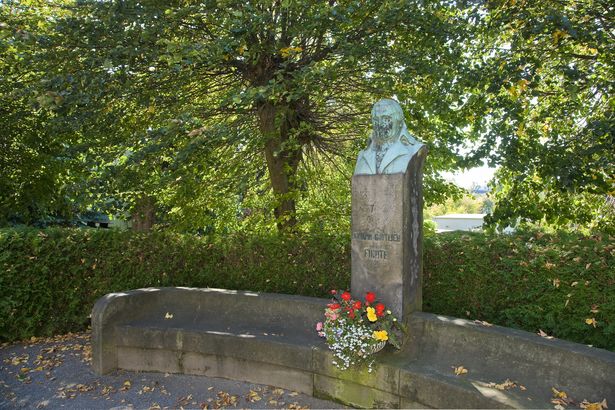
(334, 306)
(370, 297)
(351, 314)
(357, 305)
(333, 292)
(346, 296)
(380, 309)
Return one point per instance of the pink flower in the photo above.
(330, 314)
(318, 326)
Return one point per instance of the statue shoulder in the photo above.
(406, 139)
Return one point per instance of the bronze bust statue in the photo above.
(390, 144)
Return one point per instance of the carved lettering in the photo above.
(375, 253)
(369, 236)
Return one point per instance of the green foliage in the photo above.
(548, 72)
(529, 281)
(538, 202)
(50, 279)
(467, 204)
(204, 105)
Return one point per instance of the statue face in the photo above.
(387, 121)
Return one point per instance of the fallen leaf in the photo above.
(146, 389)
(184, 401)
(459, 370)
(591, 321)
(168, 315)
(293, 394)
(507, 384)
(126, 386)
(560, 398)
(593, 406)
(556, 281)
(594, 309)
(522, 388)
(575, 283)
(106, 390)
(559, 394)
(543, 334)
(253, 396)
(225, 399)
(483, 323)
(277, 392)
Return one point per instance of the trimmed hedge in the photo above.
(50, 279)
(531, 281)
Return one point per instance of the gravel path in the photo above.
(56, 373)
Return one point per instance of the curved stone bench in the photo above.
(270, 339)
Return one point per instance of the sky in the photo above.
(474, 176)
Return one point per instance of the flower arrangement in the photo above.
(356, 329)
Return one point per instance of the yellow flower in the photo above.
(371, 314)
(381, 335)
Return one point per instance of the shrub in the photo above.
(50, 279)
(530, 280)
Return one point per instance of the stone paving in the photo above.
(56, 373)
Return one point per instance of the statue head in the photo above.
(387, 121)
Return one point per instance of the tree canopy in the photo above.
(221, 113)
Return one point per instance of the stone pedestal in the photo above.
(387, 237)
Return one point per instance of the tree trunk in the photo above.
(144, 214)
(282, 163)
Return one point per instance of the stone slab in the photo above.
(248, 370)
(438, 390)
(148, 360)
(421, 373)
(353, 394)
(387, 236)
(529, 359)
(384, 377)
(263, 349)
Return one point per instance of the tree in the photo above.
(549, 69)
(33, 164)
(177, 90)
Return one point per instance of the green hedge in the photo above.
(530, 280)
(50, 279)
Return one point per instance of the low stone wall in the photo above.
(270, 339)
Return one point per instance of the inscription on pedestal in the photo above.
(387, 213)
(377, 237)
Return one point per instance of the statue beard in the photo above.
(384, 134)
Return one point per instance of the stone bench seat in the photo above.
(270, 339)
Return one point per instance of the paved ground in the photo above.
(55, 373)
